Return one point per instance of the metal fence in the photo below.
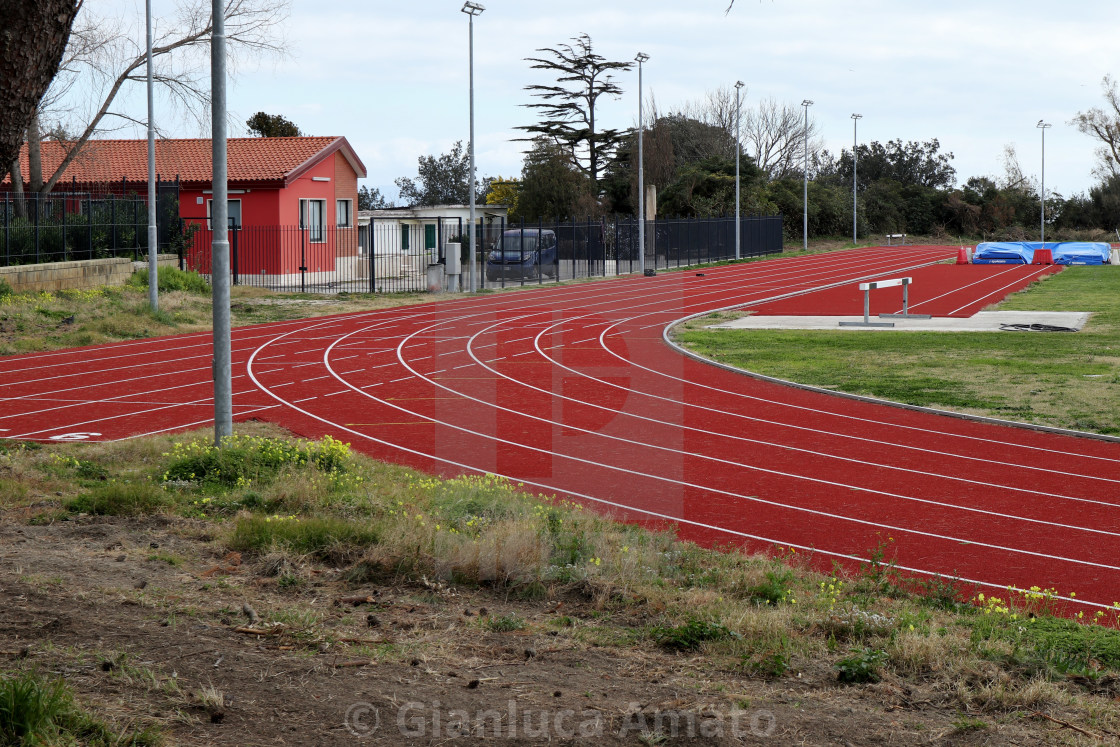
(59, 227)
(392, 256)
(611, 246)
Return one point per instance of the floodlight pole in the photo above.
(855, 167)
(805, 228)
(641, 58)
(1042, 221)
(219, 224)
(472, 9)
(738, 117)
(153, 238)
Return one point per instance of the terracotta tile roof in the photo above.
(255, 160)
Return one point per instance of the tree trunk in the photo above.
(32, 41)
(17, 188)
(34, 155)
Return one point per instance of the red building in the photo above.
(293, 200)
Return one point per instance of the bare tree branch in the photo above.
(1105, 127)
(106, 56)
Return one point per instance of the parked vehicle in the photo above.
(521, 254)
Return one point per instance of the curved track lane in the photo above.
(571, 389)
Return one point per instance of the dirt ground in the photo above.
(149, 621)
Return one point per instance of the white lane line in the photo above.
(188, 426)
(811, 452)
(305, 399)
(679, 483)
(71, 426)
(830, 434)
(652, 514)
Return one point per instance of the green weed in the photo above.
(863, 666)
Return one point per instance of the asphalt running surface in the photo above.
(574, 390)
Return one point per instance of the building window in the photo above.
(429, 236)
(404, 238)
(233, 212)
(312, 218)
(344, 209)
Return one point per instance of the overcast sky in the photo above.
(975, 74)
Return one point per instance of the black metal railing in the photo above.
(75, 225)
(394, 255)
(59, 227)
(611, 246)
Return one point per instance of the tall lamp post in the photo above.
(738, 117)
(1043, 126)
(219, 245)
(472, 9)
(805, 227)
(855, 166)
(153, 239)
(641, 58)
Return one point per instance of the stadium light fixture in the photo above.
(805, 226)
(472, 9)
(738, 117)
(641, 58)
(855, 166)
(1042, 221)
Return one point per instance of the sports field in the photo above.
(574, 390)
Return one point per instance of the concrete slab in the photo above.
(983, 321)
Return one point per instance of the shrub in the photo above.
(244, 460)
(120, 499)
(173, 279)
(506, 623)
(863, 666)
(690, 635)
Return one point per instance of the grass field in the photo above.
(1056, 379)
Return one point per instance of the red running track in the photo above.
(940, 290)
(573, 390)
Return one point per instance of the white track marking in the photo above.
(187, 426)
(739, 496)
(774, 444)
(652, 514)
(820, 431)
(750, 467)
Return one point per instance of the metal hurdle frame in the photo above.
(868, 287)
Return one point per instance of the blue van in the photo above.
(522, 254)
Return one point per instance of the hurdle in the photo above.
(868, 287)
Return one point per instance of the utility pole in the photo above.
(219, 224)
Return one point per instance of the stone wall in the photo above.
(87, 273)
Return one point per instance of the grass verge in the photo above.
(769, 615)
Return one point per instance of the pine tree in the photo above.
(568, 108)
